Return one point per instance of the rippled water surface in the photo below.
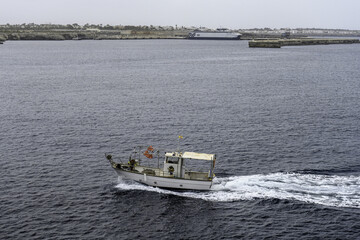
(284, 123)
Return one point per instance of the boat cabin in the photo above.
(174, 165)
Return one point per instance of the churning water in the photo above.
(336, 191)
(284, 123)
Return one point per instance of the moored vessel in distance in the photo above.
(219, 34)
(171, 172)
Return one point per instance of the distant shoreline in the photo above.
(100, 32)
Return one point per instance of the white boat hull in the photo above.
(165, 182)
(214, 36)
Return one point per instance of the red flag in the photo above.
(150, 148)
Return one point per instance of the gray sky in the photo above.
(233, 14)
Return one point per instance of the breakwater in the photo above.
(278, 43)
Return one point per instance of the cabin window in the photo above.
(172, 160)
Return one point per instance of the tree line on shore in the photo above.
(75, 26)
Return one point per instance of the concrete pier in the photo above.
(277, 43)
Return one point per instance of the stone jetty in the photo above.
(277, 43)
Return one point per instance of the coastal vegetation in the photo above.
(75, 31)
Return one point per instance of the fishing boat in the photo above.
(172, 172)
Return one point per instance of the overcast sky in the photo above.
(235, 14)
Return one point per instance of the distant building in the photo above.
(93, 29)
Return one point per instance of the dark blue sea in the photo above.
(284, 123)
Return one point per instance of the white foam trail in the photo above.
(329, 190)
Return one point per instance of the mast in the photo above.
(180, 137)
(158, 157)
(139, 153)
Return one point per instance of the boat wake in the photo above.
(329, 190)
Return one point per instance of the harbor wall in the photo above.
(277, 43)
